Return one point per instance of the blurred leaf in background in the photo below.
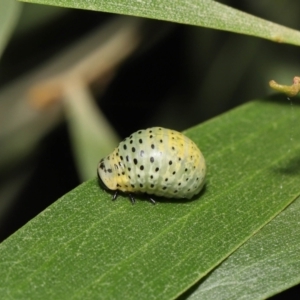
(9, 16)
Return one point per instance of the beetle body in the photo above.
(156, 161)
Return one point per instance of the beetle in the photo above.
(156, 161)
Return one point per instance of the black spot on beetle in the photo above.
(152, 146)
(135, 161)
(142, 168)
(151, 159)
(133, 149)
(164, 188)
(109, 170)
(124, 147)
(170, 162)
(157, 169)
(140, 141)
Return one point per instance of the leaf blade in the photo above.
(206, 13)
(266, 264)
(85, 245)
(9, 15)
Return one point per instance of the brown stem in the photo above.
(289, 90)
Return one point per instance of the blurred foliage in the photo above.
(9, 15)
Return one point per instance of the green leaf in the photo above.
(204, 13)
(266, 264)
(9, 16)
(85, 246)
(91, 135)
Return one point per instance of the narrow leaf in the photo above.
(265, 265)
(85, 246)
(91, 134)
(206, 13)
(9, 15)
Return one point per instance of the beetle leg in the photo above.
(152, 200)
(132, 199)
(115, 195)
